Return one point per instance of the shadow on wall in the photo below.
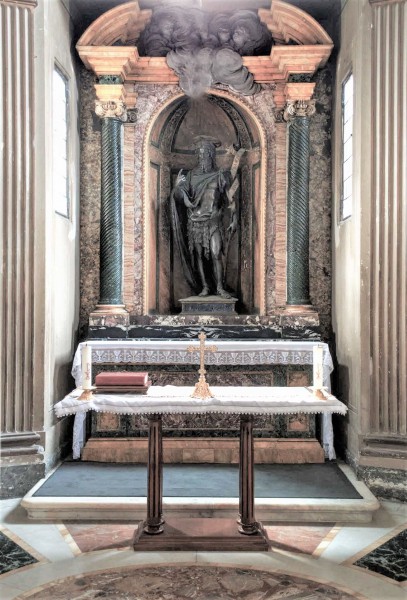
(340, 388)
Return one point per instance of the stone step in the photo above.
(267, 510)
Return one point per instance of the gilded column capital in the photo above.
(113, 98)
(115, 109)
(299, 108)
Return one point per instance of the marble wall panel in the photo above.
(90, 187)
(320, 200)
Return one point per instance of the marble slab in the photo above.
(12, 556)
(388, 559)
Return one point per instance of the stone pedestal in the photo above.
(208, 305)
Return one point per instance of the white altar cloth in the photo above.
(229, 352)
(177, 400)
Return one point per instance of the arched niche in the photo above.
(168, 148)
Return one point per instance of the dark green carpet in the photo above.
(203, 480)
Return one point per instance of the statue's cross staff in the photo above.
(201, 387)
(237, 155)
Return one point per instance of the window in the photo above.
(347, 150)
(60, 179)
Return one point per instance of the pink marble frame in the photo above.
(151, 101)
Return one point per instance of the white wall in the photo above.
(57, 237)
(350, 306)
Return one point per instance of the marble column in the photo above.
(113, 113)
(21, 450)
(297, 113)
(112, 100)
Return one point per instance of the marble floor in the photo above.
(310, 561)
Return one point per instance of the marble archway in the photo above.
(167, 149)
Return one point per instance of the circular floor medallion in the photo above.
(186, 583)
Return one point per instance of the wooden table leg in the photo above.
(155, 523)
(247, 521)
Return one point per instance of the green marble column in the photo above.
(298, 115)
(111, 221)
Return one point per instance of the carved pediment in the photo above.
(109, 47)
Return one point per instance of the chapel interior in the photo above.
(308, 120)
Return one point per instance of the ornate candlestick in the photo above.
(202, 390)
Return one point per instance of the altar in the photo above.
(235, 361)
(207, 221)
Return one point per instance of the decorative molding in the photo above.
(299, 91)
(111, 109)
(300, 78)
(111, 60)
(123, 24)
(112, 99)
(247, 107)
(132, 116)
(288, 23)
(278, 115)
(110, 80)
(299, 108)
(311, 48)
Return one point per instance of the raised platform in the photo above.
(316, 510)
(204, 450)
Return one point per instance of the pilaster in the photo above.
(20, 443)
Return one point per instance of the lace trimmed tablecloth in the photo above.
(229, 352)
(177, 400)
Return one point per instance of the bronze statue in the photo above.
(205, 192)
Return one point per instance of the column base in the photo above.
(22, 463)
(109, 315)
(300, 321)
(299, 309)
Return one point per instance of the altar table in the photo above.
(244, 401)
(229, 352)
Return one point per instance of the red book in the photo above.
(121, 378)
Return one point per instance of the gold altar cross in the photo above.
(201, 387)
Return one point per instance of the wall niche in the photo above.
(169, 147)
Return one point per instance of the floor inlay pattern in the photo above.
(297, 537)
(186, 582)
(389, 559)
(12, 556)
(104, 536)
